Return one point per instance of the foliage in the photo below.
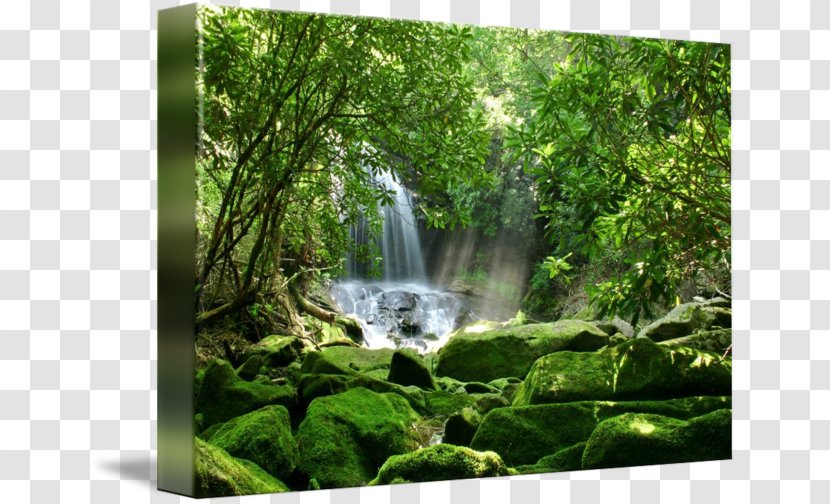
(629, 146)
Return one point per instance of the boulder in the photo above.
(275, 350)
(714, 341)
(461, 426)
(636, 369)
(312, 386)
(223, 395)
(263, 437)
(614, 326)
(347, 360)
(407, 368)
(250, 368)
(440, 462)
(443, 403)
(510, 351)
(346, 437)
(645, 439)
(218, 474)
(523, 435)
(685, 319)
(566, 459)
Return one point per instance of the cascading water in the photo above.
(403, 310)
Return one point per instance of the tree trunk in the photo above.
(351, 326)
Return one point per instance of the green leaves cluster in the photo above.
(629, 144)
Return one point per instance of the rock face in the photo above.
(523, 435)
(407, 368)
(440, 462)
(510, 351)
(686, 319)
(263, 437)
(218, 474)
(636, 369)
(346, 437)
(644, 439)
(223, 395)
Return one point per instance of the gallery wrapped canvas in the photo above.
(395, 251)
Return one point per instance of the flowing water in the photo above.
(402, 310)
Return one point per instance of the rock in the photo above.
(445, 403)
(217, 474)
(523, 435)
(566, 459)
(636, 369)
(398, 300)
(617, 339)
(407, 368)
(714, 341)
(223, 395)
(250, 368)
(685, 319)
(263, 437)
(347, 360)
(275, 350)
(346, 437)
(615, 325)
(510, 351)
(480, 388)
(440, 462)
(645, 439)
(487, 402)
(461, 426)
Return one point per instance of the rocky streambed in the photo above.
(497, 399)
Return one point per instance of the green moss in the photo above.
(223, 395)
(714, 341)
(347, 360)
(346, 437)
(637, 369)
(407, 368)
(446, 403)
(263, 437)
(510, 351)
(312, 386)
(461, 426)
(218, 474)
(276, 350)
(440, 462)
(566, 459)
(250, 368)
(646, 439)
(487, 402)
(523, 435)
(207, 433)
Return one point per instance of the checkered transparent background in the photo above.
(78, 251)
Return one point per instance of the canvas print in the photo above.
(430, 251)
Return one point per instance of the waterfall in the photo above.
(402, 310)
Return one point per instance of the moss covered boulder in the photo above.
(717, 340)
(275, 350)
(636, 369)
(440, 462)
(646, 439)
(566, 459)
(312, 386)
(461, 426)
(346, 437)
(444, 403)
(347, 360)
(263, 437)
(407, 368)
(687, 318)
(523, 435)
(218, 474)
(223, 395)
(510, 351)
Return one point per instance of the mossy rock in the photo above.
(717, 341)
(347, 360)
(636, 369)
(523, 435)
(263, 437)
(510, 351)
(346, 437)
(250, 368)
(407, 368)
(218, 474)
(312, 386)
(440, 462)
(566, 459)
(644, 439)
(685, 319)
(275, 350)
(223, 395)
(480, 388)
(449, 384)
(488, 402)
(445, 403)
(207, 433)
(461, 426)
